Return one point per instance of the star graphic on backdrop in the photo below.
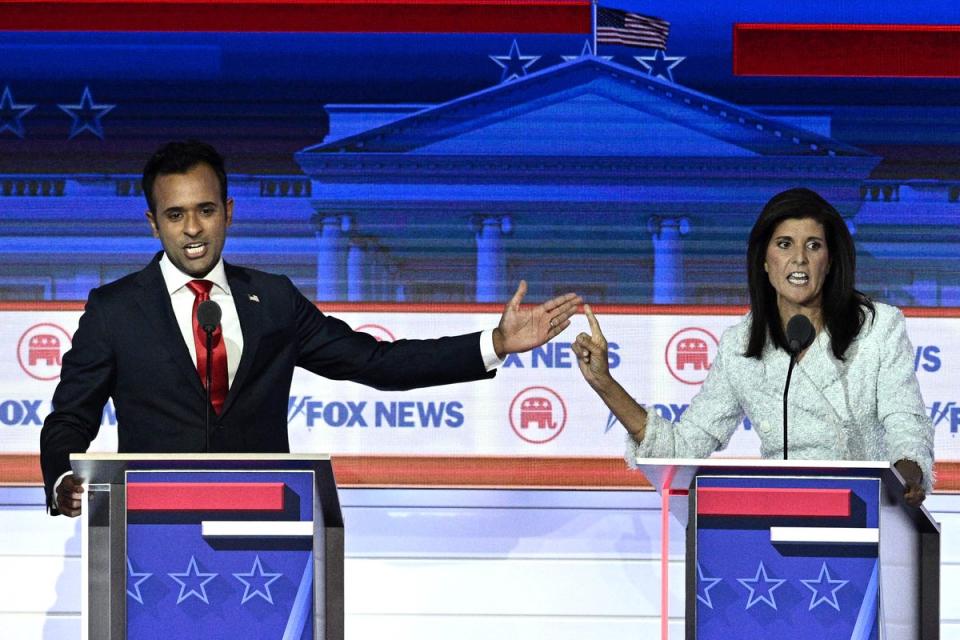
(11, 113)
(660, 64)
(611, 421)
(134, 580)
(259, 580)
(764, 586)
(824, 592)
(86, 115)
(704, 584)
(586, 52)
(514, 65)
(196, 579)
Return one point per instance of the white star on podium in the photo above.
(257, 575)
(195, 577)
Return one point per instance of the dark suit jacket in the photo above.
(128, 347)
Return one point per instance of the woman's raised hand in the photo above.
(591, 352)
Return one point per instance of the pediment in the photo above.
(588, 107)
(586, 124)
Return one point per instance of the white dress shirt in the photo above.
(182, 300)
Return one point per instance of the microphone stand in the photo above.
(786, 390)
(209, 376)
(800, 335)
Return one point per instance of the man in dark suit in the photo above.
(139, 340)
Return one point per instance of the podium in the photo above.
(799, 549)
(210, 546)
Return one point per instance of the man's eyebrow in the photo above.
(179, 208)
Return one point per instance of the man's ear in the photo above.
(153, 223)
(229, 211)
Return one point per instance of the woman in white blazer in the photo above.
(854, 394)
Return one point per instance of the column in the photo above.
(357, 256)
(667, 257)
(331, 230)
(490, 231)
(396, 278)
(379, 276)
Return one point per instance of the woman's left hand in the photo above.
(914, 492)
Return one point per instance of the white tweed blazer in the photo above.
(867, 407)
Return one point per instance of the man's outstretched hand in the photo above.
(523, 328)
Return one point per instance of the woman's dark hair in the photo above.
(181, 157)
(843, 307)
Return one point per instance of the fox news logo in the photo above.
(397, 414)
(927, 358)
(555, 355)
(21, 413)
(945, 414)
(31, 413)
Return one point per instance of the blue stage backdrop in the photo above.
(412, 151)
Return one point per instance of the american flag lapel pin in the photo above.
(253, 297)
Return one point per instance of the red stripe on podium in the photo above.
(205, 496)
(769, 502)
(847, 50)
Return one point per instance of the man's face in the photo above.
(190, 220)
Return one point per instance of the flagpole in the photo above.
(593, 24)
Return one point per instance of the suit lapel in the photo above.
(821, 375)
(251, 324)
(775, 363)
(154, 301)
(816, 386)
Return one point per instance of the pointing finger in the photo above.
(592, 319)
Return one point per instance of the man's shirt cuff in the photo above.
(490, 358)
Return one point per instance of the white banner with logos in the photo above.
(538, 404)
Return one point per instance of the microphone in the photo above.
(208, 317)
(800, 335)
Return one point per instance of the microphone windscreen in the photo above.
(800, 333)
(208, 315)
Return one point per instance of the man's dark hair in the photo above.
(181, 157)
(843, 307)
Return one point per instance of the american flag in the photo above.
(623, 27)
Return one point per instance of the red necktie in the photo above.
(218, 377)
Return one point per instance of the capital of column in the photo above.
(332, 224)
(659, 226)
(485, 224)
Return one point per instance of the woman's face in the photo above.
(797, 263)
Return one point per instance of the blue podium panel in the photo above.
(787, 558)
(220, 555)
